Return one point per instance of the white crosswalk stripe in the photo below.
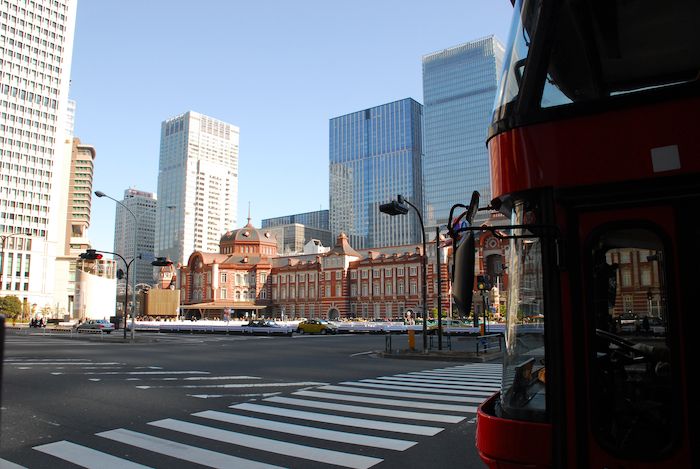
(308, 431)
(273, 446)
(340, 420)
(393, 414)
(86, 457)
(389, 402)
(190, 453)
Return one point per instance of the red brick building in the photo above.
(248, 277)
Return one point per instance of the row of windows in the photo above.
(329, 275)
(377, 291)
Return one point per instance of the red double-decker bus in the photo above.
(595, 159)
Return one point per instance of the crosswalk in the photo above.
(353, 424)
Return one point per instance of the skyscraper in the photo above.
(76, 205)
(36, 41)
(143, 206)
(375, 154)
(459, 88)
(317, 219)
(197, 185)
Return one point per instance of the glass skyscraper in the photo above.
(374, 155)
(459, 88)
(317, 219)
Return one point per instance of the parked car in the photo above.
(629, 323)
(96, 325)
(266, 327)
(316, 326)
(657, 326)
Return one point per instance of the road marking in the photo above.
(363, 353)
(338, 458)
(232, 386)
(338, 420)
(199, 378)
(5, 464)
(367, 410)
(411, 395)
(455, 377)
(369, 383)
(149, 373)
(86, 457)
(61, 363)
(389, 402)
(311, 432)
(181, 451)
(17, 359)
(210, 396)
(442, 383)
(475, 390)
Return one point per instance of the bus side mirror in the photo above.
(463, 273)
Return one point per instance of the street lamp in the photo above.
(133, 281)
(398, 207)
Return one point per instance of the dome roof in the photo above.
(248, 234)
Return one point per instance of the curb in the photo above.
(442, 356)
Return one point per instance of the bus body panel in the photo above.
(584, 150)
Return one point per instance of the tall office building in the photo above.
(375, 154)
(197, 185)
(36, 46)
(143, 206)
(459, 88)
(317, 219)
(76, 205)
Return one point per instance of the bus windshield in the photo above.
(618, 47)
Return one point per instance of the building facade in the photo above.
(197, 185)
(77, 207)
(375, 154)
(233, 282)
(248, 277)
(318, 219)
(293, 237)
(459, 88)
(143, 206)
(36, 44)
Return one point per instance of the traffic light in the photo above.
(91, 254)
(482, 282)
(161, 262)
(120, 274)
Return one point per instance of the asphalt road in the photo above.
(302, 401)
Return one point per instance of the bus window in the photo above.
(621, 47)
(524, 384)
(631, 367)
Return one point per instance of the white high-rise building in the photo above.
(197, 185)
(143, 206)
(36, 46)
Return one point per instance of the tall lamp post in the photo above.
(133, 281)
(398, 207)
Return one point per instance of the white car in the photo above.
(95, 325)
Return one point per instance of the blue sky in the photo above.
(277, 69)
